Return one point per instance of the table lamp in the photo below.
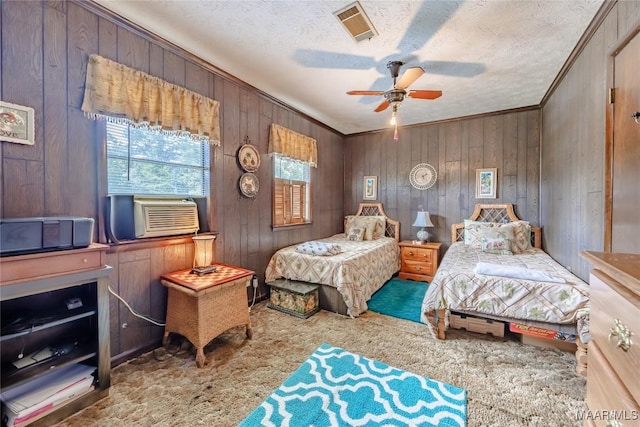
(422, 220)
(203, 254)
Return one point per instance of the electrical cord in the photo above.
(135, 313)
(255, 289)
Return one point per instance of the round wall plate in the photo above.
(249, 158)
(423, 176)
(249, 184)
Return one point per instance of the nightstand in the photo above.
(419, 261)
(201, 307)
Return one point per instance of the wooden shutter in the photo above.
(289, 202)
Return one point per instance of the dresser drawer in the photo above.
(25, 267)
(417, 267)
(417, 254)
(614, 308)
(606, 393)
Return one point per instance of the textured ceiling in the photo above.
(484, 55)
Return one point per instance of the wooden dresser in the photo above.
(613, 377)
(419, 261)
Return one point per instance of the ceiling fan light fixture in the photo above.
(356, 22)
(394, 116)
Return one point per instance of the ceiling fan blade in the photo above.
(365, 92)
(411, 75)
(425, 94)
(382, 106)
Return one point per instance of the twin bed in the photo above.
(494, 269)
(351, 276)
(517, 283)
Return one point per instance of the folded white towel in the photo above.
(315, 247)
(516, 272)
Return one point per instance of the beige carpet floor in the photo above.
(507, 383)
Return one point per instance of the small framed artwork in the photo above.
(486, 183)
(370, 188)
(16, 123)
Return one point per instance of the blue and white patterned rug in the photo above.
(334, 387)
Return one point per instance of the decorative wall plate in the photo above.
(249, 184)
(249, 158)
(423, 176)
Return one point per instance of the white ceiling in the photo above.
(485, 55)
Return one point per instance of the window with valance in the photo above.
(293, 156)
(118, 93)
(293, 145)
(158, 134)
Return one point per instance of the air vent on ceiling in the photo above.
(356, 22)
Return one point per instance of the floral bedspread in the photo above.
(456, 287)
(357, 272)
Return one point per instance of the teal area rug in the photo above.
(399, 298)
(334, 387)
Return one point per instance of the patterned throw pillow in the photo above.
(379, 230)
(356, 234)
(315, 247)
(368, 223)
(522, 236)
(472, 231)
(496, 245)
(497, 232)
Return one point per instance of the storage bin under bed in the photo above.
(295, 298)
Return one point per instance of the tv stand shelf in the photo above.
(55, 314)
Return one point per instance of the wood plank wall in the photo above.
(45, 47)
(508, 141)
(572, 195)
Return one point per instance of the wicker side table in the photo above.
(202, 307)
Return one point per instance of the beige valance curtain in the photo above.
(119, 93)
(294, 145)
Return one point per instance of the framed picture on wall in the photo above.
(486, 183)
(16, 123)
(370, 188)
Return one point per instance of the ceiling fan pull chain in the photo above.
(395, 132)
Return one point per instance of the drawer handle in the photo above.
(417, 268)
(410, 253)
(623, 333)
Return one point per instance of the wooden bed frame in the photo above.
(329, 297)
(504, 213)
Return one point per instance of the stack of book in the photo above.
(25, 403)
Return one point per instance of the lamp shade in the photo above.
(423, 220)
(203, 250)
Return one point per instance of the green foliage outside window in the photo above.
(148, 162)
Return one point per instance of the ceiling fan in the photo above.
(396, 95)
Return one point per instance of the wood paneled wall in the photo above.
(45, 47)
(572, 195)
(508, 141)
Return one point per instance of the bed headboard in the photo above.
(392, 227)
(495, 213)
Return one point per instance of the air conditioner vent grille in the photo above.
(165, 217)
(356, 22)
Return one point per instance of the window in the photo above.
(291, 191)
(148, 162)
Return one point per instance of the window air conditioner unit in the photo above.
(154, 217)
